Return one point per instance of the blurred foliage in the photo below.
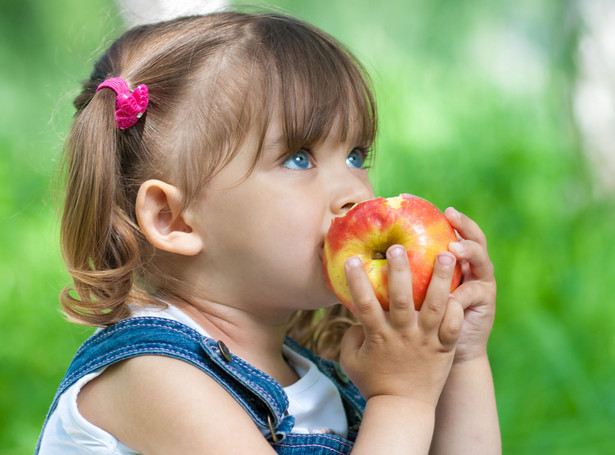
(46, 48)
(475, 112)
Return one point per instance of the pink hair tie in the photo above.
(129, 107)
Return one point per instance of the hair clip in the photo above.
(129, 107)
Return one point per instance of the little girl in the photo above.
(207, 158)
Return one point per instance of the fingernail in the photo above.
(456, 247)
(445, 260)
(396, 251)
(454, 212)
(353, 262)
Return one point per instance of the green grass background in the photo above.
(462, 124)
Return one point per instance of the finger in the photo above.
(466, 227)
(401, 303)
(438, 292)
(452, 323)
(475, 255)
(474, 293)
(369, 311)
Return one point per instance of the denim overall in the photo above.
(260, 395)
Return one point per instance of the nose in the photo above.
(349, 189)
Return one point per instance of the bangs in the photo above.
(314, 84)
(269, 68)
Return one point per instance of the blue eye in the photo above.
(300, 160)
(355, 159)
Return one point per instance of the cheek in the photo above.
(294, 238)
(293, 228)
(269, 220)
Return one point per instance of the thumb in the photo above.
(351, 342)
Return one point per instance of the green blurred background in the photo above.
(476, 111)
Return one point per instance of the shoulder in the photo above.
(158, 404)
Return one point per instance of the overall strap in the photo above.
(353, 400)
(259, 394)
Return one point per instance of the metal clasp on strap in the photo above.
(274, 437)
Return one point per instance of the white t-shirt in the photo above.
(314, 402)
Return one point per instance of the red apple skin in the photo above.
(371, 227)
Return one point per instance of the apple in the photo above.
(368, 229)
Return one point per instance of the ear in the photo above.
(158, 214)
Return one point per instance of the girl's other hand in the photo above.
(477, 293)
(404, 352)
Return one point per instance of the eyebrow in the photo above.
(273, 146)
(279, 140)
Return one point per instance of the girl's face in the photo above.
(264, 230)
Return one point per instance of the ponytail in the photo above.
(99, 236)
(321, 331)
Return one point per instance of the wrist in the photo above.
(402, 403)
(478, 355)
(395, 423)
(470, 372)
(408, 415)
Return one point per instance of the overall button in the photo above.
(224, 351)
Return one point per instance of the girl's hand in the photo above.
(404, 353)
(477, 292)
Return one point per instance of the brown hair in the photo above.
(211, 79)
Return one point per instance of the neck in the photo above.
(255, 338)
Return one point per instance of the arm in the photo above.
(160, 405)
(466, 416)
(400, 360)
